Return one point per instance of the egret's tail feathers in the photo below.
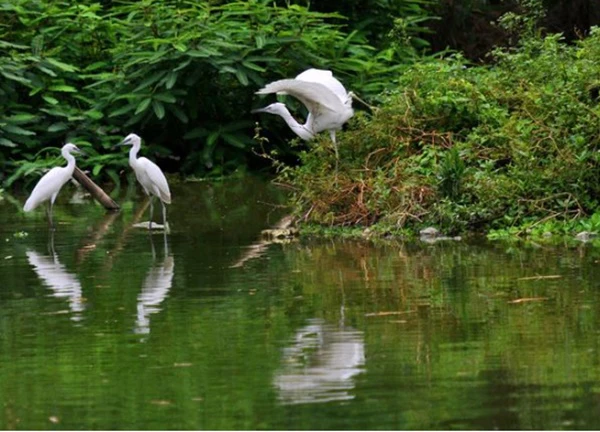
(165, 197)
(29, 205)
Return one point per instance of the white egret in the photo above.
(150, 176)
(50, 184)
(329, 105)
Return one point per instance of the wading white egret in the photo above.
(50, 184)
(150, 176)
(329, 105)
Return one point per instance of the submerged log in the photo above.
(95, 190)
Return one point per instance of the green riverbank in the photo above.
(506, 150)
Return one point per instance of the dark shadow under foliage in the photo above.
(471, 27)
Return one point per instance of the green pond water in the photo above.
(103, 326)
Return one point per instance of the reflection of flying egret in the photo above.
(59, 280)
(150, 176)
(321, 364)
(329, 105)
(155, 288)
(50, 184)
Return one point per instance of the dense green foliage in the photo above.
(452, 144)
(468, 148)
(181, 74)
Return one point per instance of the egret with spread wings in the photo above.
(329, 105)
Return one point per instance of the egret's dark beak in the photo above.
(79, 152)
(122, 143)
(258, 110)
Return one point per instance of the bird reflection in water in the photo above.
(321, 364)
(155, 288)
(55, 275)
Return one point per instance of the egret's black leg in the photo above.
(165, 223)
(49, 214)
(151, 212)
(166, 246)
(337, 156)
(51, 245)
(152, 246)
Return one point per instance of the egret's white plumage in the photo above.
(49, 185)
(329, 105)
(149, 175)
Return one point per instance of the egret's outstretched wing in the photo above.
(48, 185)
(158, 180)
(326, 78)
(313, 95)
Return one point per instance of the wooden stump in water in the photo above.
(95, 190)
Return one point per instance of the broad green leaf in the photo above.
(143, 105)
(182, 65)
(57, 127)
(196, 53)
(211, 141)
(61, 65)
(165, 97)
(5, 44)
(260, 41)
(35, 90)
(22, 118)
(7, 143)
(233, 140)
(155, 77)
(16, 78)
(46, 70)
(17, 130)
(63, 88)
(203, 52)
(123, 110)
(179, 113)
(50, 99)
(228, 69)
(242, 77)
(253, 66)
(171, 80)
(94, 114)
(96, 66)
(158, 108)
(197, 132)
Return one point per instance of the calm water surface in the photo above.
(104, 326)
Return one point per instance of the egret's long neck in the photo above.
(70, 161)
(303, 131)
(135, 148)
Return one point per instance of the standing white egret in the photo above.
(329, 105)
(50, 184)
(150, 176)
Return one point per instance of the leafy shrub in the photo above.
(48, 49)
(465, 147)
(180, 74)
